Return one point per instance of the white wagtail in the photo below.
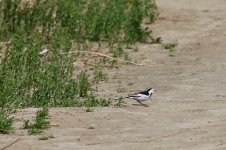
(142, 96)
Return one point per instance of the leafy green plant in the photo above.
(126, 56)
(156, 40)
(43, 138)
(5, 122)
(89, 109)
(84, 84)
(118, 51)
(170, 46)
(149, 9)
(40, 122)
(28, 80)
(92, 19)
(99, 75)
(92, 101)
(46, 137)
(120, 102)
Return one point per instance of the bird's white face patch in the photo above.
(151, 91)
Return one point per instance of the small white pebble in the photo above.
(43, 52)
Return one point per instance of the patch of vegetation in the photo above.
(120, 102)
(6, 121)
(99, 75)
(118, 51)
(89, 109)
(84, 84)
(170, 46)
(156, 40)
(46, 137)
(40, 122)
(92, 101)
(94, 20)
(43, 138)
(28, 79)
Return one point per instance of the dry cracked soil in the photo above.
(188, 111)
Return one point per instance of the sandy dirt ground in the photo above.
(188, 111)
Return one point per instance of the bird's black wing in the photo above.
(132, 95)
(136, 94)
(143, 92)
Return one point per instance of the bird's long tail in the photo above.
(122, 98)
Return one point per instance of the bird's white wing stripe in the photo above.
(139, 96)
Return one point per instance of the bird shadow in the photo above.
(144, 105)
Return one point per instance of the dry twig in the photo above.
(103, 55)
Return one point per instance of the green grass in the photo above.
(156, 40)
(93, 101)
(89, 109)
(170, 46)
(40, 122)
(84, 84)
(120, 102)
(118, 51)
(99, 75)
(46, 137)
(43, 138)
(6, 122)
(93, 20)
(29, 80)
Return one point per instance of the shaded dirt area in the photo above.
(188, 111)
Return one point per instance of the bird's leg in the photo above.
(140, 102)
(145, 105)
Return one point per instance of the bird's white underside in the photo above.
(139, 97)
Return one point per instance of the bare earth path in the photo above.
(188, 111)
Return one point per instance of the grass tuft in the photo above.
(28, 79)
(40, 122)
(6, 122)
(120, 102)
(170, 46)
(43, 138)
